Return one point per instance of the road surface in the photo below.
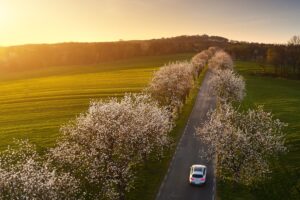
(175, 184)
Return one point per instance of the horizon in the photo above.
(51, 22)
(121, 40)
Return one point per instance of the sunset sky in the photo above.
(51, 21)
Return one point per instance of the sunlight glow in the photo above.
(52, 21)
(4, 15)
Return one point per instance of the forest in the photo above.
(275, 59)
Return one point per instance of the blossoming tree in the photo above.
(227, 85)
(171, 84)
(25, 175)
(220, 60)
(242, 142)
(200, 60)
(105, 145)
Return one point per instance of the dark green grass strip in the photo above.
(151, 175)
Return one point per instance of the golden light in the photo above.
(4, 14)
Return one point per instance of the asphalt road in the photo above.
(175, 184)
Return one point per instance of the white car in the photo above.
(197, 174)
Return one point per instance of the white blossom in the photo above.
(227, 85)
(171, 84)
(25, 175)
(212, 50)
(104, 145)
(242, 142)
(221, 60)
(200, 60)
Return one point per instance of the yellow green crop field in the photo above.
(34, 104)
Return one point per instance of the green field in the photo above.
(35, 103)
(282, 97)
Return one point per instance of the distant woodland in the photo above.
(284, 60)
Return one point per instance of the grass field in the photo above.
(282, 97)
(35, 103)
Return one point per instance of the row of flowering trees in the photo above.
(171, 84)
(241, 142)
(103, 146)
(96, 157)
(98, 153)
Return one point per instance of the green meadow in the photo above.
(282, 98)
(35, 103)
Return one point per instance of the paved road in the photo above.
(175, 185)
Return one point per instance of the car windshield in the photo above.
(197, 176)
(198, 169)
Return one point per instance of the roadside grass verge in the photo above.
(35, 103)
(151, 176)
(282, 98)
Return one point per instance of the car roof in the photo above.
(199, 166)
(198, 172)
(198, 169)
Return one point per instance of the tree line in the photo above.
(46, 55)
(284, 59)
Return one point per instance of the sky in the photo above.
(54, 21)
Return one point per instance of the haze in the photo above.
(52, 21)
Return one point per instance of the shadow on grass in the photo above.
(282, 184)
